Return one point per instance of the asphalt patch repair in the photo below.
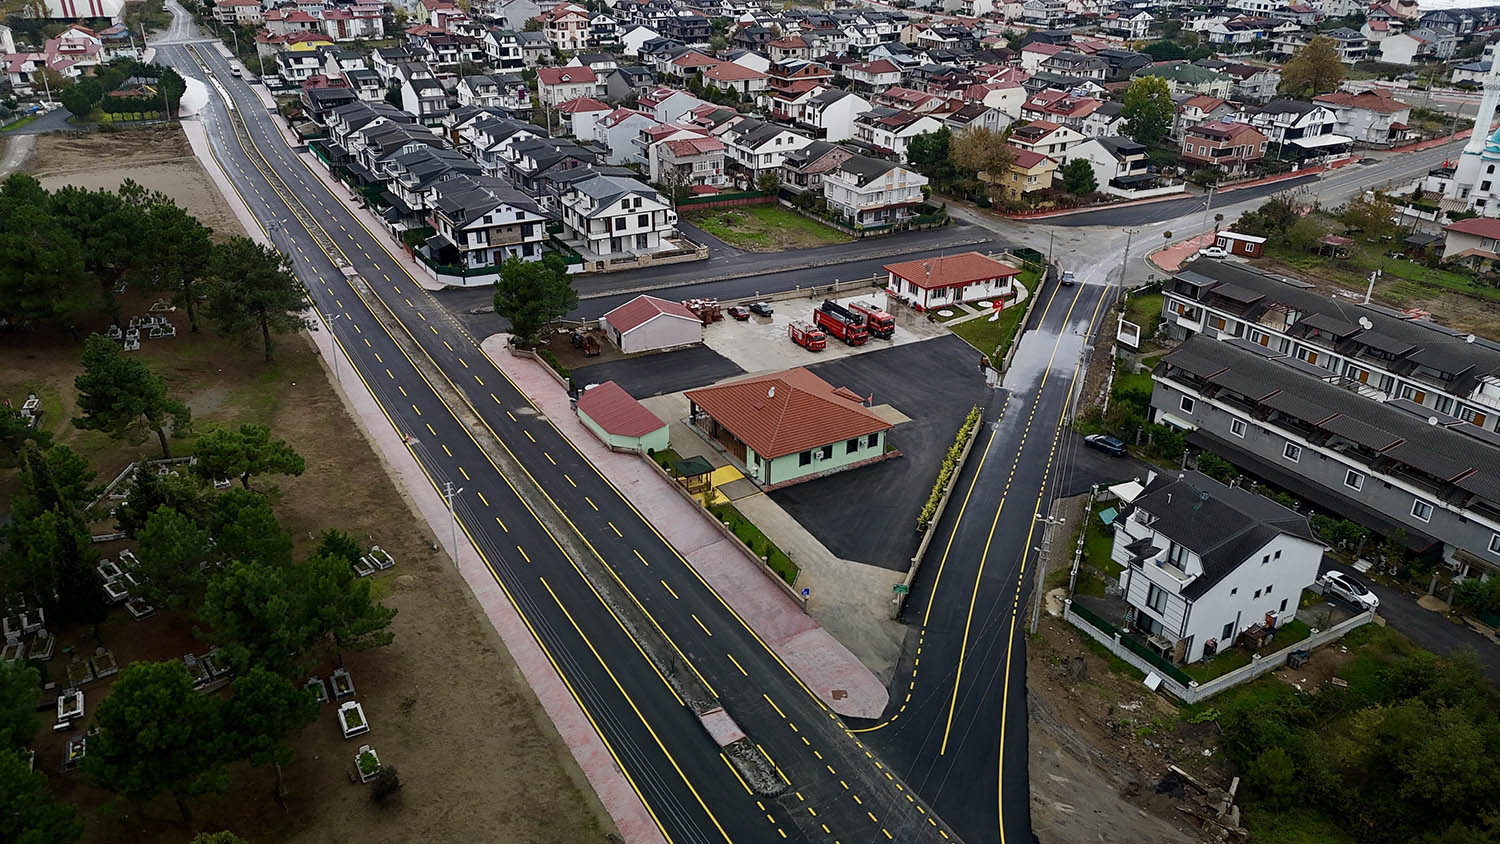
(869, 514)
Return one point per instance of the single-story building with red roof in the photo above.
(791, 426)
(1472, 241)
(937, 282)
(619, 421)
(646, 323)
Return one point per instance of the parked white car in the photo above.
(1213, 252)
(1351, 590)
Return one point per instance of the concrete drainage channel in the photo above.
(754, 767)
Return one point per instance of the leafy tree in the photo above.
(340, 546)
(1374, 216)
(1148, 110)
(119, 395)
(393, 94)
(76, 100)
(156, 734)
(1078, 177)
(532, 25)
(16, 432)
(1273, 218)
(1305, 234)
(768, 182)
(113, 233)
(19, 686)
(57, 478)
(244, 528)
(1314, 69)
(31, 816)
(1164, 51)
(173, 550)
(531, 294)
(150, 492)
(254, 289)
(385, 785)
(42, 274)
(342, 611)
(181, 247)
(1216, 467)
(50, 552)
(982, 151)
(262, 711)
(1274, 774)
(223, 453)
(254, 616)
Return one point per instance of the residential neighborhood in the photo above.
(762, 421)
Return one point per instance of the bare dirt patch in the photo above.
(448, 707)
(156, 157)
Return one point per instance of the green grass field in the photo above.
(765, 228)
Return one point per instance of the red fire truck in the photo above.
(807, 337)
(841, 323)
(877, 322)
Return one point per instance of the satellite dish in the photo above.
(1468, 338)
(1364, 322)
(771, 394)
(1432, 420)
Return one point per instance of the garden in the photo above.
(994, 338)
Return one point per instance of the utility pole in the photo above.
(333, 345)
(1050, 234)
(1370, 290)
(1041, 569)
(1207, 206)
(1124, 261)
(450, 493)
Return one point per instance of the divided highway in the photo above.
(631, 628)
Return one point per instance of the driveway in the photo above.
(55, 120)
(869, 514)
(667, 372)
(1088, 466)
(1428, 629)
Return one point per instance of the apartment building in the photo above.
(871, 192)
(614, 216)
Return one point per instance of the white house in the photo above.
(557, 85)
(873, 192)
(612, 216)
(482, 222)
(647, 323)
(1204, 562)
(927, 283)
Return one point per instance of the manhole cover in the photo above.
(984, 303)
(945, 314)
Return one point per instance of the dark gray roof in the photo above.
(866, 169)
(466, 198)
(1223, 525)
(1454, 459)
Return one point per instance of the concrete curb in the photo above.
(937, 516)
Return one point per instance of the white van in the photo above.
(235, 71)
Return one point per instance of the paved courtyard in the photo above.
(666, 372)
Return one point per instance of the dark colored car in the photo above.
(762, 309)
(740, 312)
(1106, 444)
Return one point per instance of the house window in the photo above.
(1228, 632)
(1156, 598)
(804, 458)
(1354, 480)
(1292, 452)
(825, 453)
(1268, 588)
(1237, 427)
(1421, 510)
(1257, 595)
(1495, 543)
(851, 446)
(1186, 404)
(872, 440)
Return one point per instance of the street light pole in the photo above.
(1124, 261)
(333, 345)
(450, 493)
(1207, 206)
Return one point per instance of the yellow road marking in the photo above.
(445, 449)
(501, 524)
(429, 427)
(736, 774)
(465, 474)
(669, 590)
(642, 559)
(773, 705)
(482, 499)
(615, 529)
(529, 436)
(590, 501)
(701, 624)
(736, 662)
(523, 553)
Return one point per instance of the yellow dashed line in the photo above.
(591, 503)
(501, 524)
(642, 559)
(615, 529)
(465, 474)
(445, 449)
(523, 553)
(737, 665)
(529, 436)
(429, 427)
(482, 499)
(669, 589)
(701, 624)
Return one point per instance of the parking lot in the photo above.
(761, 344)
(869, 514)
(666, 372)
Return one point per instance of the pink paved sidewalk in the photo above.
(1171, 258)
(821, 661)
(609, 783)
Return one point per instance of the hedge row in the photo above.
(950, 465)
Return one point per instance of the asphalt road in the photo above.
(1156, 212)
(541, 516)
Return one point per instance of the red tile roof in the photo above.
(560, 75)
(1368, 100)
(1476, 226)
(731, 72)
(952, 270)
(787, 412)
(1027, 159)
(642, 309)
(581, 104)
(615, 411)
